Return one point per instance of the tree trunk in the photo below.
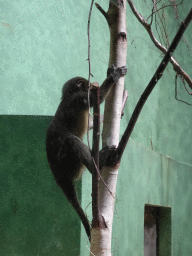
(116, 18)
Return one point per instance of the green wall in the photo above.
(43, 44)
(35, 217)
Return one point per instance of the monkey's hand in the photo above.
(116, 73)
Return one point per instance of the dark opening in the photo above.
(157, 231)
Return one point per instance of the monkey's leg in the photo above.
(80, 150)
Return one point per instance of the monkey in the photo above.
(66, 153)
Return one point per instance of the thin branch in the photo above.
(124, 101)
(177, 68)
(105, 14)
(176, 91)
(97, 220)
(95, 153)
(89, 61)
(183, 81)
(148, 90)
(164, 6)
(163, 28)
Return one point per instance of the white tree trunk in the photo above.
(101, 238)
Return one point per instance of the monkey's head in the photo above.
(75, 85)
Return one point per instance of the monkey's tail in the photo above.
(68, 188)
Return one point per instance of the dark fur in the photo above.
(66, 152)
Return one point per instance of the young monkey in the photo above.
(66, 153)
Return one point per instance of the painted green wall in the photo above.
(35, 217)
(43, 44)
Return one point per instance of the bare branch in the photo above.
(105, 14)
(162, 27)
(176, 91)
(97, 221)
(124, 101)
(177, 68)
(89, 60)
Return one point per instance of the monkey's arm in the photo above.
(113, 74)
(79, 98)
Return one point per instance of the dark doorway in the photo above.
(157, 231)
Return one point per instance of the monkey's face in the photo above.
(74, 85)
